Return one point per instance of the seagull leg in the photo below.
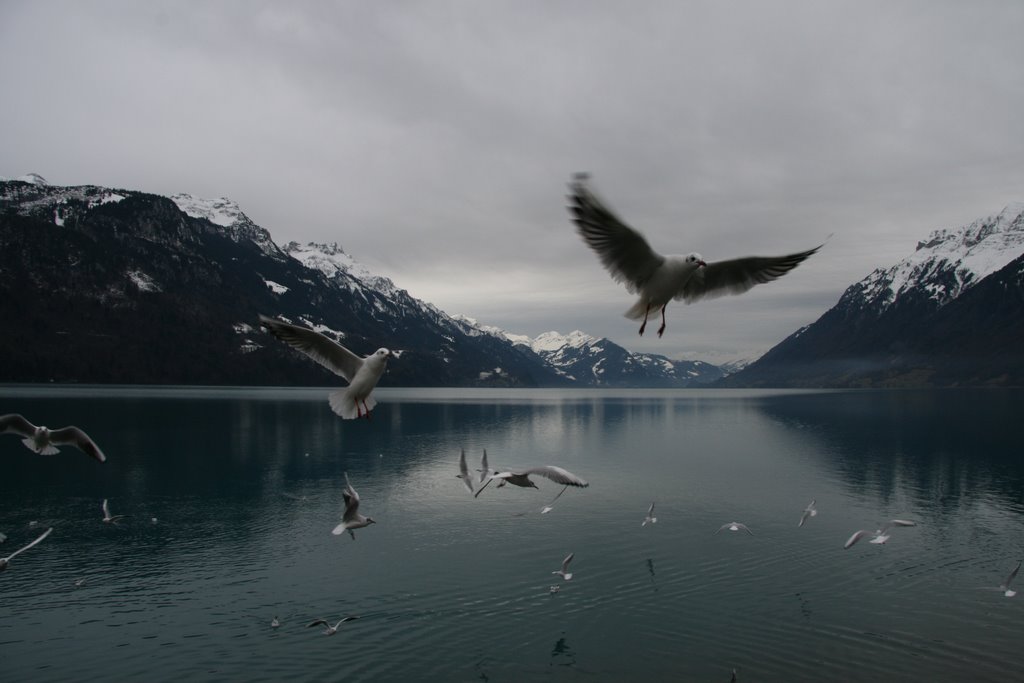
(661, 330)
(643, 325)
(367, 410)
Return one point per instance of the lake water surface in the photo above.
(246, 487)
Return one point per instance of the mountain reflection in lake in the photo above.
(246, 485)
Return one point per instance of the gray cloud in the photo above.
(434, 141)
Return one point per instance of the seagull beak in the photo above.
(702, 264)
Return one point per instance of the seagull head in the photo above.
(695, 259)
(382, 353)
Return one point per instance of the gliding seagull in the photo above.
(522, 478)
(735, 526)
(564, 571)
(1005, 585)
(330, 630)
(880, 536)
(464, 472)
(660, 278)
(353, 401)
(351, 519)
(107, 519)
(4, 561)
(650, 518)
(809, 511)
(45, 441)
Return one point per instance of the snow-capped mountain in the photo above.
(950, 313)
(600, 362)
(168, 290)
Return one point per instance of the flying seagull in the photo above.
(351, 519)
(329, 630)
(522, 478)
(362, 374)
(464, 472)
(4, 561)
(107, 518)
(45, 441)
(734, 526)
(650, 518)
(809, 511)
(880, 536)
(1005, 585)
(660, 278)
(564, 571)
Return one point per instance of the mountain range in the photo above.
(950, 314)
(106, 285)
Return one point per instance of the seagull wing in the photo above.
(485, 470)
(804, 516)
(464, 472)
(16, 424)
(857, 535)
(106, 509)
(496, 475)
(622, 250)
(738, 275)
(650, 510)
(38, 540)
(557, 475)
(566, 561)
(1006, 584)
(324, 351)
(351, 501)
(744, 527)
(73, 436)
(318, 622)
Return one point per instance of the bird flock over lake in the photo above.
(655, 279)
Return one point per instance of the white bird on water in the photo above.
(329, 630)
(1005, 585)
(522, 478)
(4, 561)
(660, 278)
(464, 472)
(362, 374)
(107, 518)
(735, 526)
(44, 441)
(274, 623)
(880, 536)
(809, 511)
(650, 518)
(351, 519)
(564, 571)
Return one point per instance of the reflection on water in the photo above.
(246, 485)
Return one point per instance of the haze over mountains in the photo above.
(112, 285)
(127, 287)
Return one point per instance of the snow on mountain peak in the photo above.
(221, 211)
(330, 259)
(33, 178)
(950, 262)
(552, 341)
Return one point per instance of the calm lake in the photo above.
(245, 485)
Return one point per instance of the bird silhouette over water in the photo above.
(44, 441)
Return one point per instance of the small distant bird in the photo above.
(650, 518)
(522, 478)
(329, 630)
(554, 589)
(107, 518)
(45, 441)
(80, 582)
(464, 472)
(564, 571)
(154, 520)
(732, 679)
(4, 561)
(735, 526)
(362, 374)
(660, 278)
(809, 511)
(1005, 585)
(880, 536)
(3, 537)
(351, 519)
(274, 623)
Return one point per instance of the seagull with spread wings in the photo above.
(351, 519)
(362, 374)
(4, 561)
(658, 278)
(44, 441)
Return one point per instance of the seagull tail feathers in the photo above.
(637, 311)
(344, 404)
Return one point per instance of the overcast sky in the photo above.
(434, 140)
